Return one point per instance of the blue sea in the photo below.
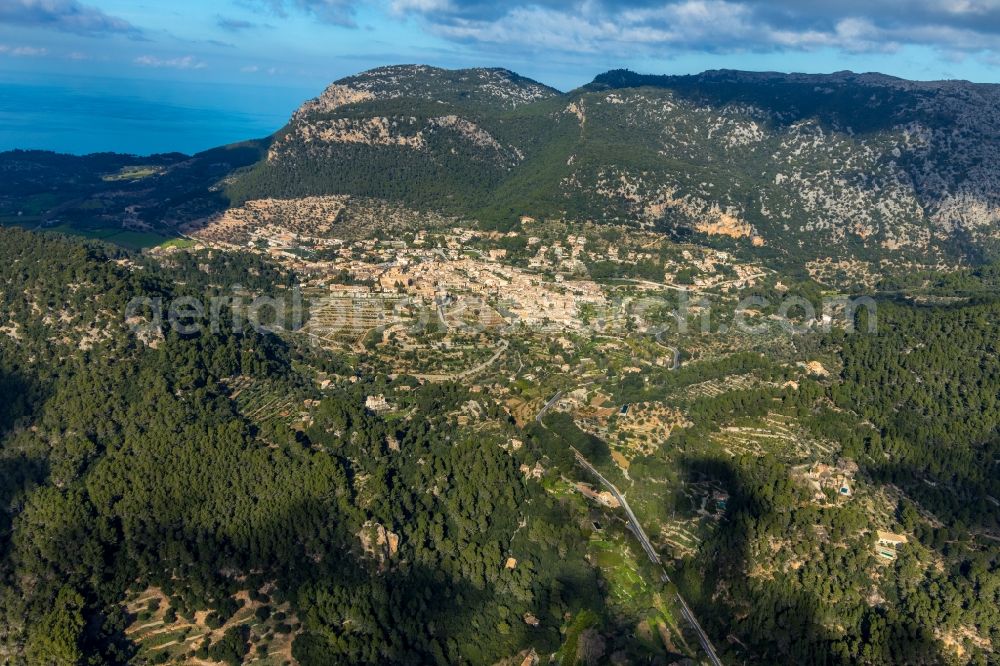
(87, 115)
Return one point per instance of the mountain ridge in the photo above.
(881, 166)
(801, 167)
(840, 76)
(330, 424)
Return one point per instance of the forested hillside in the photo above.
(804, 578)
(204, 482)
(339, 395)
(128, 467)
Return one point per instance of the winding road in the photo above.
(465, 374)
(636, 528)
(548, 406)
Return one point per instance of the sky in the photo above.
(254, 61)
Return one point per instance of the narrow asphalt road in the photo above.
(548, 406)
(637, 530)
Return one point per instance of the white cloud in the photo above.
(421, 6)
(336, 12)
(184, 62)
(23, 51)
(62, 15)
(973, 7)
(624, 26)
(257, 69)
(29, 51)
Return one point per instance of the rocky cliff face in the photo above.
(406, 89)
(812, 165)
(867, 161)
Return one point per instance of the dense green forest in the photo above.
(230, 493)
(127, 466)
(414, 535)
(916, 408)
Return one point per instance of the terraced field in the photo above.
(164, 635)
(776, 434)
(266, 404)
(700, 507)
(618, 565)
(337, 320)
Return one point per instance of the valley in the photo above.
(457, 368)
